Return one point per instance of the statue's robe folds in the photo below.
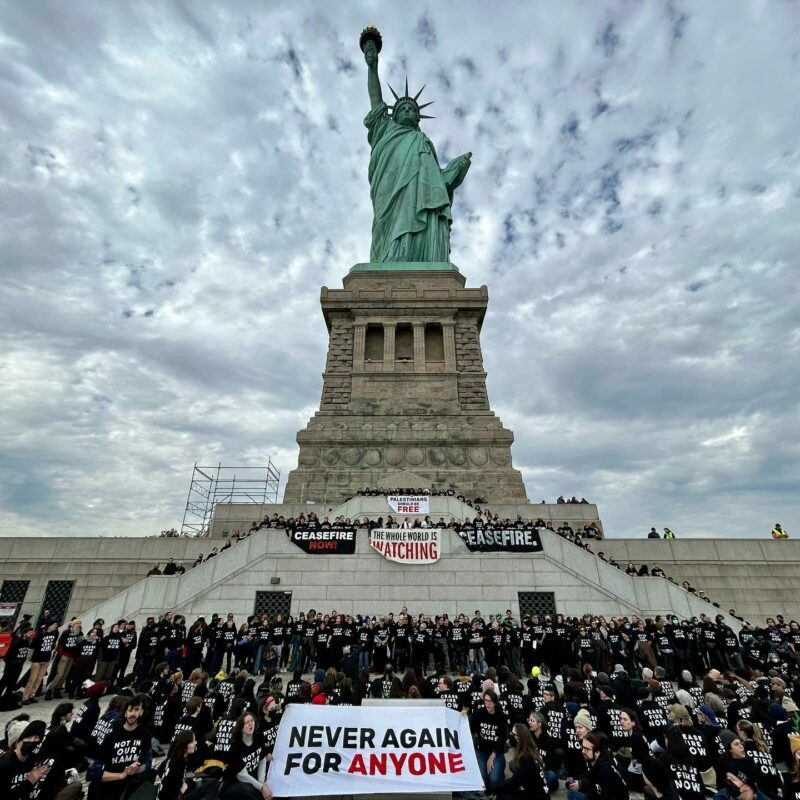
(411, 195)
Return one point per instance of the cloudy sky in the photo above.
(178, 179)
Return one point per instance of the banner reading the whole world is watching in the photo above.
(407, 545)
(344, 750)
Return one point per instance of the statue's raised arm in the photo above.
(370, 48)
(411, 194)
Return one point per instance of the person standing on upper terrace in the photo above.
(654, 534)
(778, 532)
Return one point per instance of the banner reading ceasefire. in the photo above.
(409, 504)
(324, 750)
(512, 540)
(407, 545)
(335, 542)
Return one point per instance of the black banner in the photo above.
(335, 542)
(509, 540)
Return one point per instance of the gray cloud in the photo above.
(178, 180)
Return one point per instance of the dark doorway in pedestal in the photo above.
(273, 603)
(540, 603)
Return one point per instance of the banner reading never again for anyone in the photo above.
(512, 540)
(334, 542)
(406, 545)
(409, 504)
(324, 750)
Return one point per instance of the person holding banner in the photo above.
(246, 770)
(491, 731)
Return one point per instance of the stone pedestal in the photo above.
(404, 389)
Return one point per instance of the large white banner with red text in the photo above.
(409, 503)
(324, 750)
(407, 545)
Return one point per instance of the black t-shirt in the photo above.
(688, 782)
(491, 731)
(223, 738)
(451, 700)
(109, 649)
(268, 730)
(43, 647)
(172, 779)
(244, 756)
(13, 782)
(122, 747)
(278, 633)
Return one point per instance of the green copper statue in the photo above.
(411, 194)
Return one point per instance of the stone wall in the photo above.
(428, 412)
(758, 578)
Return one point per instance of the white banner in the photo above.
(324, 750)
(8, 609)
(407, 545)
(410, 503)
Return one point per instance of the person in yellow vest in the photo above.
(668, 534)
(778, 532)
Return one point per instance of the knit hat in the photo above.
(726, 737)
(36, 727)
(657, 774)
(319, 676)
(319, 699)
(97, 690)
(687, 676)
(583, 718)
(14, 731)
(603, 679)
(762, 692)
(709, 714)
(778, 712)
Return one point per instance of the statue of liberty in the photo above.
(411, 194)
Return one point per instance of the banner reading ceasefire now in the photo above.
(324, 750)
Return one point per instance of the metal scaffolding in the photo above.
(213, 485)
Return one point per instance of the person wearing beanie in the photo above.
(734, 759)
(658, 781)
(574, 762)
(14, 731)
(706, 716)
(584, 720)
(85, 718)
(19, 772)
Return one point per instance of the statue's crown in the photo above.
(407, 98)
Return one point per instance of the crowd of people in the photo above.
(601, 706)
(381, 491)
